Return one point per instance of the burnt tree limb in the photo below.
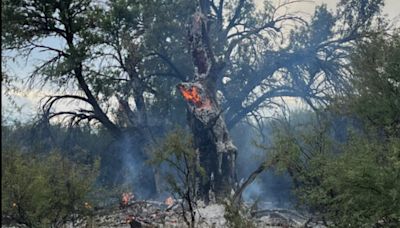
(216, 151)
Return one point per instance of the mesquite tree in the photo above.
(228, 39)
(91, 56)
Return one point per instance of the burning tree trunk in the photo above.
(217, 154)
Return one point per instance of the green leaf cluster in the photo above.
(47, 191)
(376, 95)
(176, 151)
(351, 180)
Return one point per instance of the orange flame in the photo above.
(169, 201)
(126, 197)
(193, 95)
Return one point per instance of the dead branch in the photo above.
(263, 166)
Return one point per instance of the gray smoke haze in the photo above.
(270, 189)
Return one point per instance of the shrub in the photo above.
(45, 191)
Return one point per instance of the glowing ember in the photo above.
(87, 205)
(129, 219)
(169, 201)
(126, 197)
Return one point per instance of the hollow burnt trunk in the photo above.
(216, 152)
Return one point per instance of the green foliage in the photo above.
(364, 184)
(177, 151)
(182, 169)
(45, 191)
(375, 98)
(353, 182)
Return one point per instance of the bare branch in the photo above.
(263, 166)
(236, 15)
(51, 100)
(40, 68)
(171, 65)
(48, 48)
(75, 117)
(237, 114)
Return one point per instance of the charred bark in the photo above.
(216, 152)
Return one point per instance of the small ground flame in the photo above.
(87, 205)
(169, 201)
(126, 197)
(14, 205)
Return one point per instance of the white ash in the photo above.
(151, 214)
